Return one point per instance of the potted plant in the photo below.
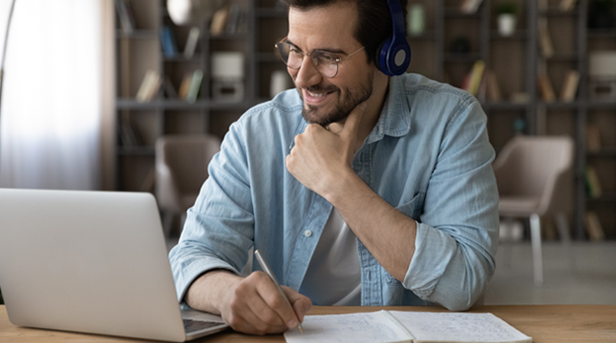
(507, 18)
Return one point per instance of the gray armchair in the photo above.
(534, 177)
(181, 169)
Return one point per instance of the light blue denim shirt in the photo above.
(428, 156)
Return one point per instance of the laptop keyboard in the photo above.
(191, 325)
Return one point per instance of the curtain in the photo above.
(52, 106)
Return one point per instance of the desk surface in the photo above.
(545, 323)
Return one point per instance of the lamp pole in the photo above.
(6, 40)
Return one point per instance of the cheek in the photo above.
(293, 73)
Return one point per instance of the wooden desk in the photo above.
(545, 323)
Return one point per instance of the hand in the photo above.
(321, 157)
(254, 305)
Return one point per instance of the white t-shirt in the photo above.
(333, 276)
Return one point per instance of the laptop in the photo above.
(91, 262)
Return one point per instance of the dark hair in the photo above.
(374, 22)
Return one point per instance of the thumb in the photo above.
(351, 125)
(301, 304)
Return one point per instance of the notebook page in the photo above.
(459, 327)
(356, 327)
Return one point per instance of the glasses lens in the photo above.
(290, 55)
(326, 63)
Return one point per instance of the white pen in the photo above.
(271, 275)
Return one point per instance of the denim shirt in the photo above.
(428, 156)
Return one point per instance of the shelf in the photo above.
(560, 105)
(601, 33)
(606, 197)
(505, 106)
(604, 152)
(518, 35)
(602, 104)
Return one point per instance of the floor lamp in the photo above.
(6, 40)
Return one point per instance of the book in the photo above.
(593, 185)
(566, 5)
(191, 42)
(593, 138)
(545, 40)
(545, 86)
(149, 86)
(470, 6)
(570, 86)
(170, 48)
(413, 327)
(594, 227)
(184, 86)
(492, 88)
(195, 86)
(125, 14)
(219, 21)
(473, 80)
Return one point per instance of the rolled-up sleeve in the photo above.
(458, 229)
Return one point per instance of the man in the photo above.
(358, 188)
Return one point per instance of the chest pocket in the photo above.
(414, 207)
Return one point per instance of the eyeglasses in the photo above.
(325, 62)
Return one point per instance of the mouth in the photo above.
(317, 98)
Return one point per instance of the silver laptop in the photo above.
(93, 262)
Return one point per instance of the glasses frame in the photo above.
(315, 62)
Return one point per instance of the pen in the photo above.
(271, 275)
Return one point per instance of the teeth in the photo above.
(316, 95)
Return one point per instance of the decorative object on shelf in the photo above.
(279, 82)
(228, 76)
(195, 86)
(470, 6)
(167, 39)
(460, 45)
(507, 18)
(567, 5)
(602, 74)
(192, 12)
(191, 42)
(474, 77)
(544, 84)
(416, 20)
(601, 14)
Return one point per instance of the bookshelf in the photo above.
(514, 60)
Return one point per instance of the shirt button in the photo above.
(307, 233)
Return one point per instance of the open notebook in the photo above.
(412, 327)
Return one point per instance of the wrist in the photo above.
(209, 291)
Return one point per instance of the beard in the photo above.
(342, 108)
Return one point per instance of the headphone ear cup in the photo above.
(381, 59)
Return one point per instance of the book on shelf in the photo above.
(170, 48)
(593, 138)
(470, 6)
(473, 79)
(594, 227)
(191, 42)
(219, 21)
(593, 185)
(125, 14)
(184, 86)
(149, 86)
(402, 326)
(492, 87)
(195, 85)
(129, 134)
(169, 88)
(545, 86)
(570, 86)
(545, 40)
(566, 5)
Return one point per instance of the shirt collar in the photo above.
(394, 120)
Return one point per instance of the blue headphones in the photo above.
(394, 55)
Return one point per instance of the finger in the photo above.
(274, 300)
(301, 303)
(260, 318)
(351, 125)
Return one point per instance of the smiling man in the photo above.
(358, 188)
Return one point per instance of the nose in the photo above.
(307, 75)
